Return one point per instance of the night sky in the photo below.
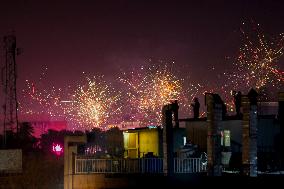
(105, 37)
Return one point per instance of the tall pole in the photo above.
(9, 84)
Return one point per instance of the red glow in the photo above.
(57, 149)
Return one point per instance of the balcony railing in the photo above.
(85, 165)
(189, 165)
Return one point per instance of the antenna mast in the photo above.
(9, 78)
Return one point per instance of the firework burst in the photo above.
(93, 104)
(149, 89)
(258, 57)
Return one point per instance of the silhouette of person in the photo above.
(252, 95)
(238, 102)
(196, 106)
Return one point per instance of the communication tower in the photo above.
(9, 85)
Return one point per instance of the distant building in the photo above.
(126, 125)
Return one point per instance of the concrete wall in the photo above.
(196, 131)
(267, 129)
(98, 181)
(11, 161)
(70, 149)
(149, 142)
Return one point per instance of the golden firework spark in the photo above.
(149, 90)
(93, 104)
(257, 61)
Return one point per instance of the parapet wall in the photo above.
(98, 181)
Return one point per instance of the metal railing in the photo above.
(189, 165)
(142, 165)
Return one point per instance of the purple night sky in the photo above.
(105, 37)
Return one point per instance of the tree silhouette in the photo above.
(114, 141)
(25, 137)
(96, 141)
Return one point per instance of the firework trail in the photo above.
(257, 62)
(256, 65)
(38, 98)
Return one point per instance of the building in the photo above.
(147, 141)
(268, 131)
(125, 125)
